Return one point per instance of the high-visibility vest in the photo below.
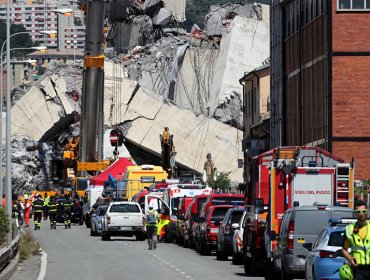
(155, 217)
(46, 201)
(360, 249)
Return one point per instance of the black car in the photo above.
(76, 215)
(226, 233)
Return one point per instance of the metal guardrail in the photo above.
(9, 252)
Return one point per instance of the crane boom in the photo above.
(92, 112)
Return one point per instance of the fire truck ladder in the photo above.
(343, 184)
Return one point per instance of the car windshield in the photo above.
(124, 208)
(337, 238)
(236, 216)
(219, 214)
(175, 202)
(311, 222)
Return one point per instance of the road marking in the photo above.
(44, 263)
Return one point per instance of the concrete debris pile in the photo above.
(138, 22)
(30, 164)
(196, 71)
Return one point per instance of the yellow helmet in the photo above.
(25, 196)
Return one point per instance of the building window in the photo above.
(353, 5)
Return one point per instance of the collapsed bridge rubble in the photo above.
(158, 75)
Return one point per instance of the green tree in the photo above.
(18, 41)
(362, 190)
(220, 181)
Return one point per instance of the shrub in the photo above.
(27, 246)
(4, 225)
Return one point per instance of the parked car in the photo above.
(180, 225)
(238, 240)
(214, 199)
(299, 226)
(324, 262)
(193, 220)
(226, 233)
(210, 227)
(97, 218)
(123, 219)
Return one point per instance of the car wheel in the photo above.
(284, 275)
(92, 233)
(249, 266)
(88, 221)
(236, 259)
(105, 236)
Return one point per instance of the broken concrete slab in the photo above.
(163, 17)
(194, 136)
(244, 46)
(177, 7)
(38, 110)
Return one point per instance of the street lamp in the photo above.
(50, 33)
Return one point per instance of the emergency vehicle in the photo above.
(285, 177)
(137, 178)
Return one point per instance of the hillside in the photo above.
(196, 10)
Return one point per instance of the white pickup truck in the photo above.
(123, 219)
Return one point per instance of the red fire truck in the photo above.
(285, 177)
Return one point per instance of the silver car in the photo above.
(238, 239)
(96, 220)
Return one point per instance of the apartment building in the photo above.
(38, 16)
(256, 114)
(320, 77)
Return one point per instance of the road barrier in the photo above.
(9, 252)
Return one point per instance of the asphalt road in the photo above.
(74, 254)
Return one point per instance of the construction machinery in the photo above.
(83, 155)
(168, 153)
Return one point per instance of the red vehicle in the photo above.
(215, 199)
(140, 197)
(180, 225)
(210, 226)
(282, 178)
(191, 220)
(222, 198)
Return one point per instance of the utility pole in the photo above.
(8, 123)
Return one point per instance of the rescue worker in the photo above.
(53, 207)
(151, 227)
(46, 206)
(67, 208)
(27, 210)
(3, 201)
(38, 206)
(358, 239)
(16, 210)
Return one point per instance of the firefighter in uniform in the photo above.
(53, 206)
(67, 208)
(38, 206)
(358, 239)
(46, 206)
